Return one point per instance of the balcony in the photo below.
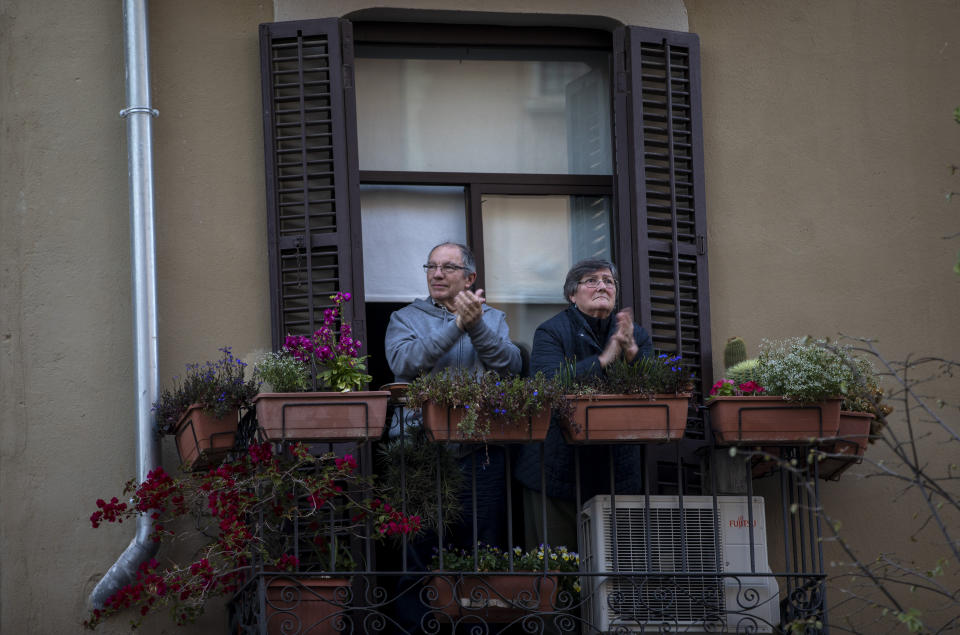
(685, 553)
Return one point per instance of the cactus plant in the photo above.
(734, 352)
(747, 370)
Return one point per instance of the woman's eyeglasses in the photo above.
(593, 283)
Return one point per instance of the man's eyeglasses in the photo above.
(447, 268)
(593, 283)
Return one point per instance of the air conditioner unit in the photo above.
(690, 603)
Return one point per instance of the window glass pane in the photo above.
(530, 242)
(499, 110)
(400, 224)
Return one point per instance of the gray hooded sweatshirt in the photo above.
(424, 337)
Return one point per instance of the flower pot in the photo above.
(202, 439)
(306, 605)
(322, 416)
(492, 597)
(624, 418)
(771, 420)
(853, 433)
(440, 422)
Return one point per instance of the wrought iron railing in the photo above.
(712, 543)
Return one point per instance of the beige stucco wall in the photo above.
(67, 428)
(827, 134)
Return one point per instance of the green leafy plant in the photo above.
(491, 559)
(246, 511)
(283, 372)
(802, 369)
(332, 350)
(661, 374)
(423, 463)
(664, 373)
(864, 393)
(486, 396)
(217, 386)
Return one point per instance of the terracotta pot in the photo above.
(305, 605)
(853, 433)
(441, 422)
(492, 597)
(322, 416)
(202, 439)
(766, 420)
(606, 418)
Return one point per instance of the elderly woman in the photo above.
(589, 333)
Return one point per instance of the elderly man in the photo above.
(589, 333)
(454, 327)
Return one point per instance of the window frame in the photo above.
(476, 184)
(642, 154)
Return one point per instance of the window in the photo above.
(592, 137)
(463, 109)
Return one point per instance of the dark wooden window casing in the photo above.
(659, 237)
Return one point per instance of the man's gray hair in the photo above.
(582, 268)
(465, 254)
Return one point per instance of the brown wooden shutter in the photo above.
(660, 186)
(309, 123)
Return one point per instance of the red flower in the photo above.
(751, 388)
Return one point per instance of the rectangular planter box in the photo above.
(305, 605)
(491, 597)
(625, 418)
(771, 420)
(441, 422)
(853, 433)
(204, 440)
(322, 416)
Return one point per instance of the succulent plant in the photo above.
(744, 371)
(734, 352)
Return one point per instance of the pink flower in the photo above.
(751, 388)
(720, 385)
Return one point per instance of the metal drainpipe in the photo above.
(138, 114)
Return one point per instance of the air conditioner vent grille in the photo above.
(650, 599)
